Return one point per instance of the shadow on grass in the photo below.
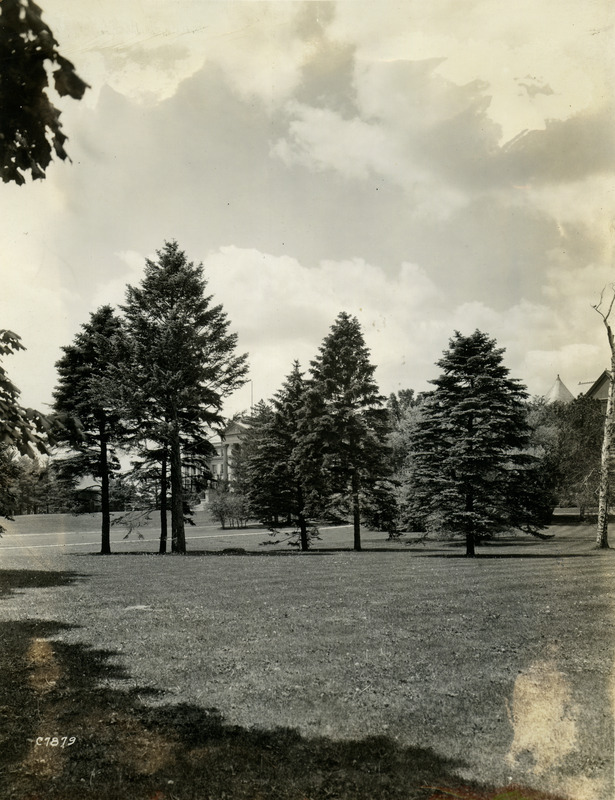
(524, 556)
(240, 551)
(424, 552)
(70, 733)
(14, 579)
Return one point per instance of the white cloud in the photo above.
(589, 202)
(321, 139)
(36, 288)
(282, 310)
(577, 364)
(501, 44)
(70, 242)
(113, 292)
(144, 50)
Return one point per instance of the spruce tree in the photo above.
(79, 395)
(288, 404)
(276, 490)
(341, 438)
(262, 467)
(471, 469)
(178, 367)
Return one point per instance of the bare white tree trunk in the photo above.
(602, 533)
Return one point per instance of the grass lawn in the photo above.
(399, 672)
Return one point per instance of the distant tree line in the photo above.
(472, 457)
(36, 486)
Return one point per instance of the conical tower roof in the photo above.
(559, 393)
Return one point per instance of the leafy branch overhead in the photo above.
(23, 428)
(30, 127)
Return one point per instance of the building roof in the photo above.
(599, 390)
(559, 393)
(235, 427)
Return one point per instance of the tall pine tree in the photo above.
(262, 466)
(288, 405)
(471, 470)
(341, 438)
(276, 489)
(179, 366)
(79, 395)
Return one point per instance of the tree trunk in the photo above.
(602, 534)
(105, 547)
(163, 505)
(302, 520)
(356, 510)
(178, 533)
(470, 537)
(305, 545)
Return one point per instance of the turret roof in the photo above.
(559, 393)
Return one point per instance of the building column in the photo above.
(225, 462)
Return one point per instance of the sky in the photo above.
(427, 167)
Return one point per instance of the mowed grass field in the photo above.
(404, 671)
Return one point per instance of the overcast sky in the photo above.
(428, 167)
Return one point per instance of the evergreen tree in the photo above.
(79, 395)
(261, 466)
(341, 438)
(178, 367)
(471, 469)
(288, 405)
(276, 488)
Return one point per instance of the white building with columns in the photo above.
(227, 445)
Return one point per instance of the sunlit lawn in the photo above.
(495, 670)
